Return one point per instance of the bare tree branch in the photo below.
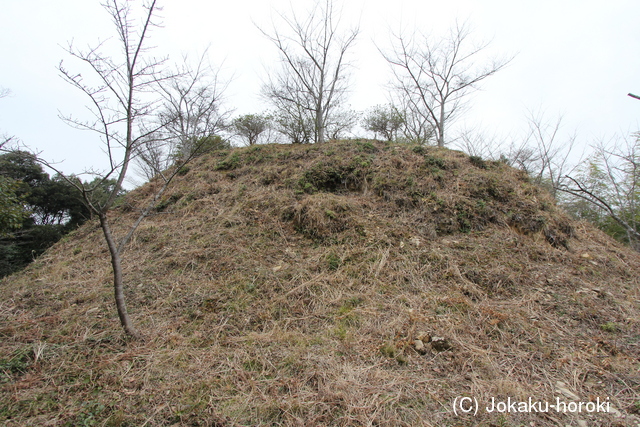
(610, 182)
(434, 76)
(191, 110)
(121, 104)
(4, 92)
(583, 192)
(313, 80)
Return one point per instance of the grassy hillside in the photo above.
(346, 284)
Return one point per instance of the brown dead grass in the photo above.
(284, 285)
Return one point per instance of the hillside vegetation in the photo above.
(348, 283)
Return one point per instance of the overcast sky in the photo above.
(578, 58)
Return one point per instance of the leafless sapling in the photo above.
(313, 80)
(433, 77)
(121, 103)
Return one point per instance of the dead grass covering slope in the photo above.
(284, 285)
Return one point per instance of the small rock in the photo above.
(419, 346)
(423, 336)
(440, 344)
(562, 388)
(615, 412)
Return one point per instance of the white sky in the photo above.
(578, 58)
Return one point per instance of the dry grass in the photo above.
(284, 285)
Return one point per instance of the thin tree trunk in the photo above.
(319, 119)
(441, 127)
(319, 127)
(125, 321)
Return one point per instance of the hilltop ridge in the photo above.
(345, 283)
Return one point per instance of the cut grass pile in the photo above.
(290, 285)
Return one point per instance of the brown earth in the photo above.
(346, 284)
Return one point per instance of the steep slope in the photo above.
(350, 283)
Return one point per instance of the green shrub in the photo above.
(478, 162)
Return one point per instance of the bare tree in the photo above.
(192, 105)
(152, 157)
(417, 127)
(122, 104)
(341, 124)
(313, 80)
(119, 111)
(545, 153)
(477, 142)
(293, 121)
(549, 157)
(434, 76)
(610, 182)
(190, 111)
